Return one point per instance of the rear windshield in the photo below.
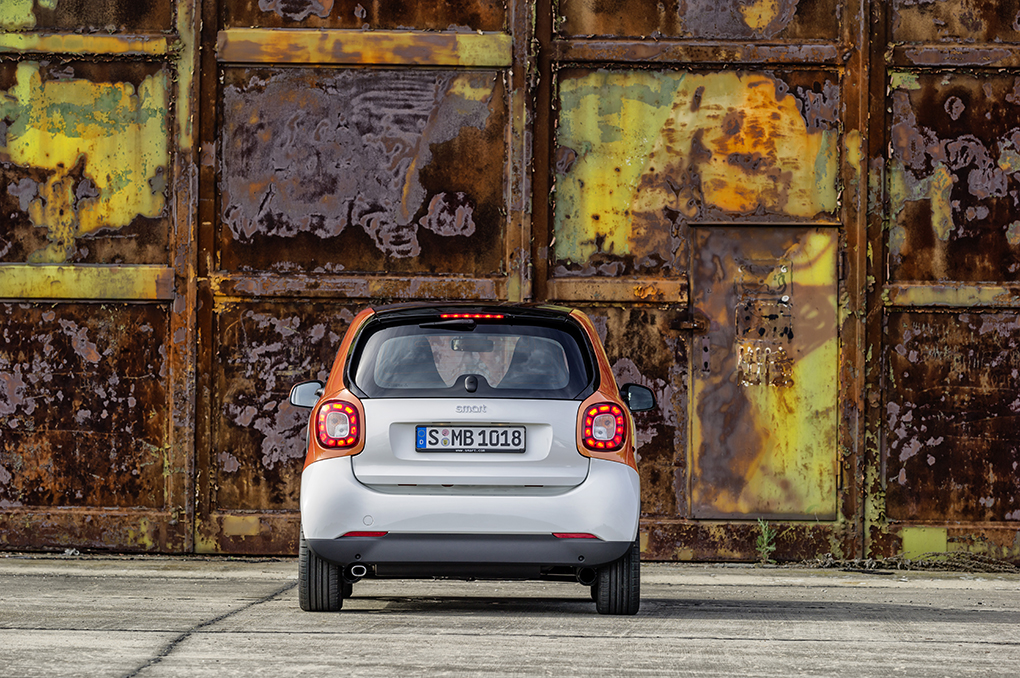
(483, 360)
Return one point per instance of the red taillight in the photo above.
(338, 425)
(366, 534)
(605, 427)
(574, 535)
(471, 316)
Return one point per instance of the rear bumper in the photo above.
(465, 527)
(470, 553)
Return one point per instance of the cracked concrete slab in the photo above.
(172, 616)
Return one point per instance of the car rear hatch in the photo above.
(527, 443)
(467, 403)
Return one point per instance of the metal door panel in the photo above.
(352, 171)
(83, 407)
(953, 177)
(641, 154)
(764, 394)
(952, 417)
(98, 449)
(86, 162)
(644, 348)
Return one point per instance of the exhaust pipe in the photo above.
(355, 572)
(587, 575)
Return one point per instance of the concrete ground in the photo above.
(163, 616)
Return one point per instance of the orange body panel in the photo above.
(607, 392)
(336, 389)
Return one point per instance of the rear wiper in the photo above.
(460, 323)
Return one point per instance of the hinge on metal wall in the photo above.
(841, 266)
(695, 323)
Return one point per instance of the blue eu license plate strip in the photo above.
(470, 439)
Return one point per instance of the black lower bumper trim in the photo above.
(467, 553)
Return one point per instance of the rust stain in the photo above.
(965, 21)
(87, 17)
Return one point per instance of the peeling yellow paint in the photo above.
(759, 14)
(853, 142)
(941, 195)
(903, 80)
(74, 43)
(636, 139)
(103, 145)
(143, 536)
(186, 72)
(611, 121)
(920, 540)
(241, 526)
(259, 45)
(33, 281)
(17, 15)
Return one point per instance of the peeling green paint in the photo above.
(902, 80)
(17, 15)
(104, 147)
(611, 121)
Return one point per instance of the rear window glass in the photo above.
(493, 360)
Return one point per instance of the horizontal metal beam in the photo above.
(949, 55)
(959, 295)
(391, 48)
(692, 52)
(86, 282)
(74, 43)
(373, 287)
(655, 290)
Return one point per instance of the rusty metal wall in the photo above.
(96, 354)
(792, 219)
(358, 155)
(704, 160)
(943, 383)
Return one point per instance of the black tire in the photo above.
(321, 587)
(618, 590)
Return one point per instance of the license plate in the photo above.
(469, 439)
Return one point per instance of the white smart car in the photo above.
(470, 441)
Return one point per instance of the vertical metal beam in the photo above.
(205, 265)
(519, 154)
(181, 351)
(873, 489)
(854, 259)
(544, 135)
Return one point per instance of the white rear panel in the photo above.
(551, 458)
